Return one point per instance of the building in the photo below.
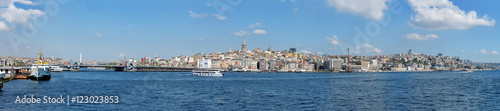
(365, 65)
(333, 65)
(270, 48)
(244, 46)
(216, 63)
(293, 49)
(204, 63)
(263, 65)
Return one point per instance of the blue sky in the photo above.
(110, 29)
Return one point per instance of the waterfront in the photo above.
(479, 90)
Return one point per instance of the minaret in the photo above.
(244, 46)
(80, 57)
(349, 60)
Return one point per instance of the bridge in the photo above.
(130, 66)
(141, 68)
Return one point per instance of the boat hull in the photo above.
(42, 78)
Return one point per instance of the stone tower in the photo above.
(244, 46)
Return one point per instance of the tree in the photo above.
(479, 67)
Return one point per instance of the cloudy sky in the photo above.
(111, 29)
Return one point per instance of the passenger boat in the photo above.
(284, 70)
(55, 69)
(207, 73)
(40, 70)
(5, 76)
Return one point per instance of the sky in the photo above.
(109, 30)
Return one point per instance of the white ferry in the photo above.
(41, 70)
(55, 69)
(207, 73)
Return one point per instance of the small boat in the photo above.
(5, 76)
(207, 73)
(301, 70)
(20, 76)
(253, 70)
(284, 70)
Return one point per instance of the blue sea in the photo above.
(479, 90)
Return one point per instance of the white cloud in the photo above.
(483, 51)
(415, 36)
(209, 4)
(494, 52)
(295, 9)
(98, 34)
(259, 31)
(371, 9)
(220, 17)
(14, 15)
(333, 41)
(305, 51)
(442, 14)
(28, 47)
(3, 26)
(199, 38)
(463, 51)
(283, 0)
(258, 24)
(367, 48)
(121, 55)
(196, 15)
(241, 33)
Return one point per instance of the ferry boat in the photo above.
(207, 73)
(5, 76)
(284, 70)
(40, 70)
(2, 75)
(55, 69)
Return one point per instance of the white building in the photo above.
(204, 63)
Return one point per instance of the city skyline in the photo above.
(109, 30)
